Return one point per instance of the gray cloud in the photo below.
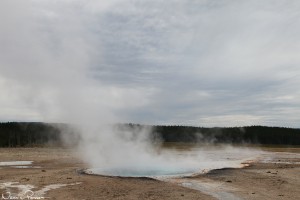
(207, 63)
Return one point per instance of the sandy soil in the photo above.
(278, 178)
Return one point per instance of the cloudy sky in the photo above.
(192, 62)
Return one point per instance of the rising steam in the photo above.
(131, 151)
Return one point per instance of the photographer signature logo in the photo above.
(28, 194)
(26, 191)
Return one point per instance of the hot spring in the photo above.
(181, 160)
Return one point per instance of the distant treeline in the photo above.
(20, 134)
(248, 134)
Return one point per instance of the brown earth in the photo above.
(260, 180)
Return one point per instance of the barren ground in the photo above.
(279, 179)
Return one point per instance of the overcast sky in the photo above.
(192, 62)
